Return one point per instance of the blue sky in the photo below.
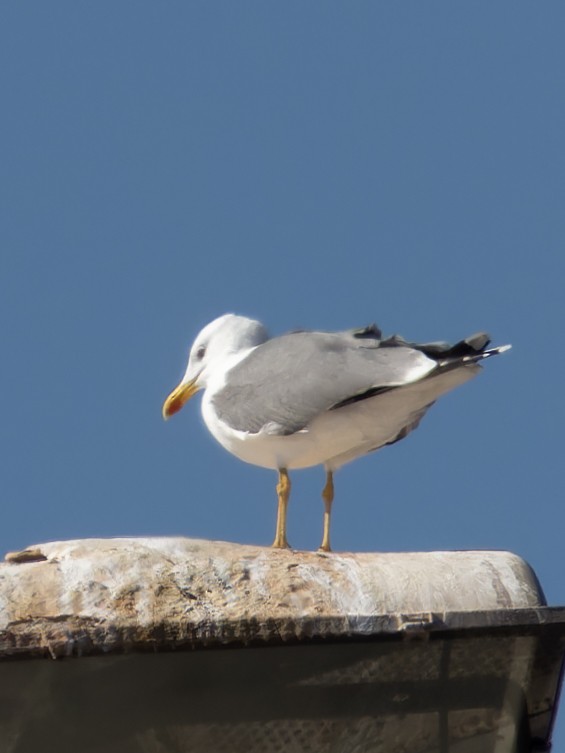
(316, 165)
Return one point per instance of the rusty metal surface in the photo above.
(110, 595)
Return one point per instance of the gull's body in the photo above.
(315, 398)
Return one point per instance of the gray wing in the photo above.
(390, 416)
(286, 382)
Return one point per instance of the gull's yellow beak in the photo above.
(178, 397)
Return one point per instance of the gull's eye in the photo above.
(201, 352)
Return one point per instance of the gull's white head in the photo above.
(215, 350)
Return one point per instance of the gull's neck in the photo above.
(221, 366)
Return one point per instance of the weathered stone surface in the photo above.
(99, 595)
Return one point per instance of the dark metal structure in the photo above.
(459, 682)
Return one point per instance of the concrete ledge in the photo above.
(111, 595)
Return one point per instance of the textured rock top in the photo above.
(98, 595)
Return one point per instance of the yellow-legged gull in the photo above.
(316, 398)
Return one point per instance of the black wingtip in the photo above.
(496, 351)
(370, 331)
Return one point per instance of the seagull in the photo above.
(311, 398)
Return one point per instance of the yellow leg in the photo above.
(328, 497)
(283, 491)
